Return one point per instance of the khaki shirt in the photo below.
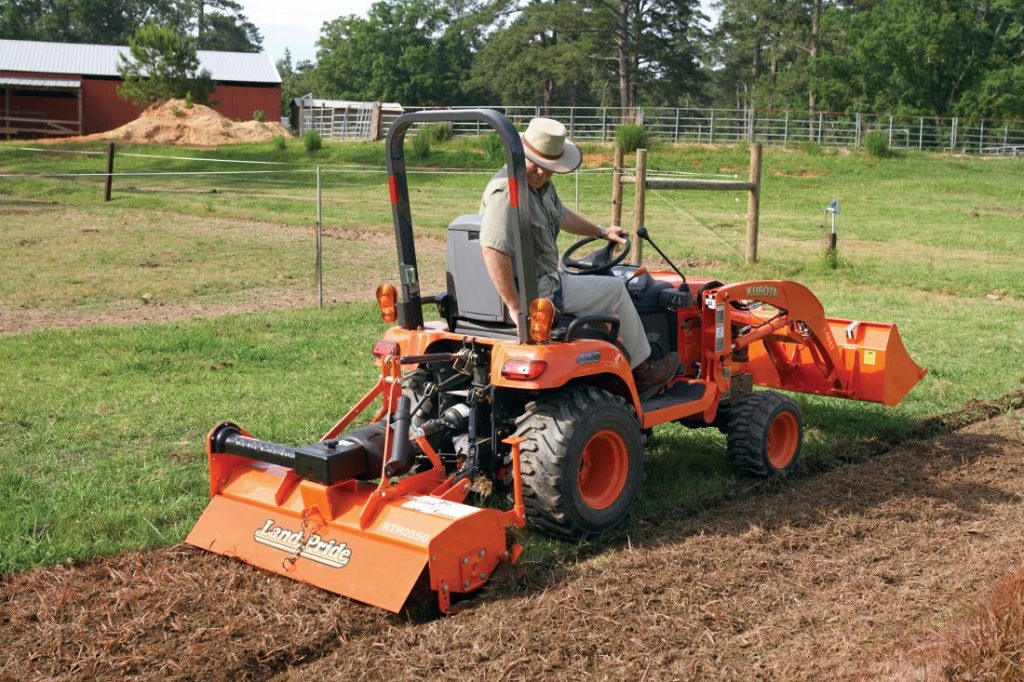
(547, 213)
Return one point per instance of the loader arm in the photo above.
(797, 347)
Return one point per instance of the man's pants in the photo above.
(599, 295)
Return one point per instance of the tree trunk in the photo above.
(622, 43)
(815, 48)
(200, 21)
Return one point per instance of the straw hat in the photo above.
(544, 143)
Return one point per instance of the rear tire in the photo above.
(582, 463)
(764, 435)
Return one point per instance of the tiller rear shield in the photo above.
(371, 542)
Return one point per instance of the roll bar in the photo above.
(410, 309)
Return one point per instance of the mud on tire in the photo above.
(583, 462)
(764, 435)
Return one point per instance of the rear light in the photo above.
(523, 370)
(542, 316)
(383, 348)
(386, 299)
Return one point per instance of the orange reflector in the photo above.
(386, 298)
(523, 370)
(542, 316)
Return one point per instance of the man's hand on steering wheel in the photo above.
(615, 234)
(598, 262)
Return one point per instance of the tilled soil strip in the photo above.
(822, 577)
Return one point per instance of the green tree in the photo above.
(654, 46)
(105, 22)
(218, 24)
(410, 51)
(624, 52)
(544, 53)
(221, 25)
(296, 79)
(763, 50)
(163, 64)
(941, 57)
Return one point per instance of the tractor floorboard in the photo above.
(682, 392)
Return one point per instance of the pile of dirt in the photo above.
(829, 576)
(172, 122)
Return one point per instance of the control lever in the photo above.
(640, 272)
(645, 235)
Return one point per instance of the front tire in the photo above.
(764, 435)
(583, 461)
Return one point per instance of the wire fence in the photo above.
(774, 127)
(328, 196)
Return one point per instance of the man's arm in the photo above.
(577, 224)
(499, 267)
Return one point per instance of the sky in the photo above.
(295, 24)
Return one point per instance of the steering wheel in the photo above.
(596, 263)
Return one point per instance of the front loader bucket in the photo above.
(871, 363)
(350, 538)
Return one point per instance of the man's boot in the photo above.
(650, 376)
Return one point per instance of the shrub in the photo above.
(258, 115)
(312, 141)
(438, 132)
(631, 137)
(421, 144)
(877, 144)
(188, 99)
(279, 142)
(178, 113)
(812, 148)
(494, 150)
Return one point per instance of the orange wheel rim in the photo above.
(604, 468)
(783, 436)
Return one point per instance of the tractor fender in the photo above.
(584, 361)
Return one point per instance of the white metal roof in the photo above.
(40, 82)
(308, 101)
(102, 60)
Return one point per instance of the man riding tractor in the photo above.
(548, 151)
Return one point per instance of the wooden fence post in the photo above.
(754, 203)
(617, 187)
(110, 172)
(638, 205)
(376, 112)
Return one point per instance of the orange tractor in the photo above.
(545, 411)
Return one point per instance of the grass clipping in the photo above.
(172, 122)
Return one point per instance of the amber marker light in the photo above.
(542, 316)
(386, 299)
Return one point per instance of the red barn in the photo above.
(71, 89)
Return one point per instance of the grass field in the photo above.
(102, 420)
